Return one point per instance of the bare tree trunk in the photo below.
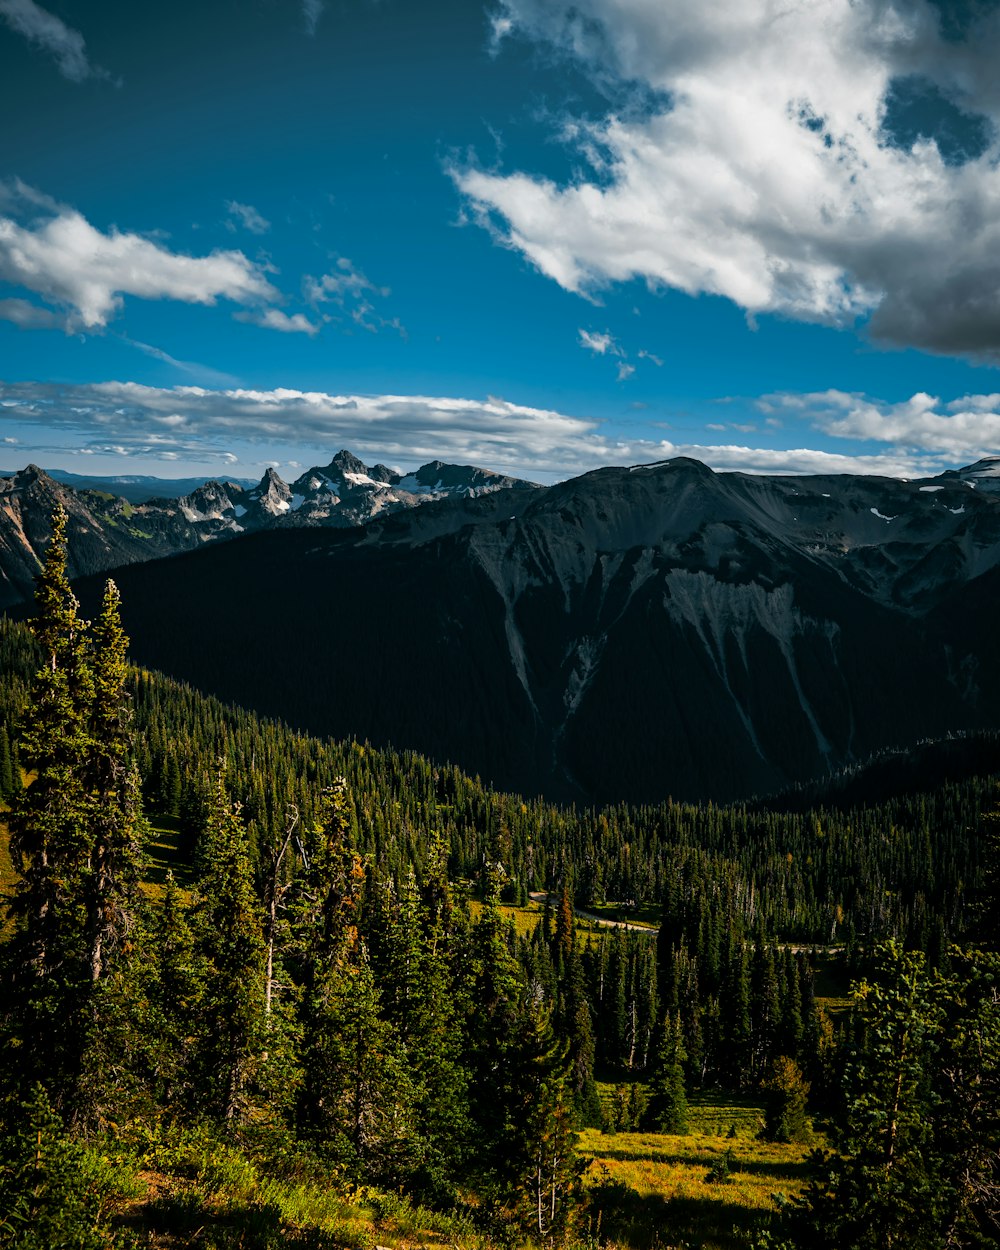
(273, 894)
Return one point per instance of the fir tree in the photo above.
(50, 988)
(666, 1110)
(229, 939)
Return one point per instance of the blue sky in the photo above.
(533, 235)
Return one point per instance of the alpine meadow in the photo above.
(499, 582)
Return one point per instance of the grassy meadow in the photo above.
(656, 1191)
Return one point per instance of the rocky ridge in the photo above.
(106, 531)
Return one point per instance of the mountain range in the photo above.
(631, 633)
(108, 529)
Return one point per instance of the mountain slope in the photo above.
(627, 634)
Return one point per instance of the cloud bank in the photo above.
(757, 153)
(201, 425)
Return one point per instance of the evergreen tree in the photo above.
(52, 1192)
(666, 1110)
(883, 1190)
(786, 1092)
(229, 939)
(112, 781)
(178, 985)
(49, 831)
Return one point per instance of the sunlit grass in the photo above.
(670, 1199)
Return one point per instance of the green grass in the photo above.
(653, 1189)
(198, 1190)
(164, 854)
(647, 915)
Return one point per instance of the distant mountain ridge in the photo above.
(108, 530)
(631, 633)
(135, 487)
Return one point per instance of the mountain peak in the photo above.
(32, 473)
(346, 462)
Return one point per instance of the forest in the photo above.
(273, 966)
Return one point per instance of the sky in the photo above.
(539, 236)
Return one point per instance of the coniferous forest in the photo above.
(301, 978)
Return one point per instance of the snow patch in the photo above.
(881, 515)
(362, 479)
(930, 489)
(297, 502)
(239, 510)
(957, 511)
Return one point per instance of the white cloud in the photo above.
(53, 35)
(500, 27)
(962, 429)
(275, 319)
(625, 371)
(760, 168)
(246, 215)
(600, 344)
(312, 11)
(353, 292)
(83, 273)
(201, 425)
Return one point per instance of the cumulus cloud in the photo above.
(51, 34)
(961, 429)
(82, 273)
(764, 164)
(202, 425)
(350, 290)
(246, 215)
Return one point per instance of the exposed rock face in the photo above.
(103, 531)
(631, 633)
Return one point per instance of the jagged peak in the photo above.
(272, 478)
(347, 462)
(34, 471)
